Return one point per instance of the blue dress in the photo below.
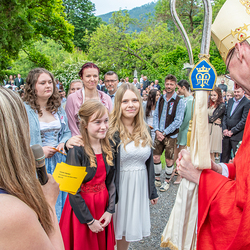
(49, 136)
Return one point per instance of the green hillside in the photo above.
(140, 13)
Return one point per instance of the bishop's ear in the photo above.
(239, 51)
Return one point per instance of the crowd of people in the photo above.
(119, 132)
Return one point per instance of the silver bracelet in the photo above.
(91, 222)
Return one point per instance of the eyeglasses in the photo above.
(230, 55)
(111, 81)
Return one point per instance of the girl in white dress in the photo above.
(134, 167)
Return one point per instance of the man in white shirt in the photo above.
(136, 83)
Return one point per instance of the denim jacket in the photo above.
(35, 134)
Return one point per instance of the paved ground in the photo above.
(159, 217)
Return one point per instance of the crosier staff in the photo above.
(180, 231)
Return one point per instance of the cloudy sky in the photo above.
(105, 6)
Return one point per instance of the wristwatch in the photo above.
(164, 134)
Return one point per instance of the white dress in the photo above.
(132, 215)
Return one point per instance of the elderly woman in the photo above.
(47, 120)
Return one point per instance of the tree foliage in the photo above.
(190, 13)
(55, 53)
(22, 22)
(80, 14)
(155, 51)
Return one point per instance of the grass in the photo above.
(163, 161)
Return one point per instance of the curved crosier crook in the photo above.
(180, 231)
(206, 34)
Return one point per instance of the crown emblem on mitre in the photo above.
(203, 69)
(231, 25)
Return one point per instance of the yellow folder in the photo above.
(69, 177)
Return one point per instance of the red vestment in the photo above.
(224, 203)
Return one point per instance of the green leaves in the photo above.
(24, 22)
(80, 14)
(39, 28)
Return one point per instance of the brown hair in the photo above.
(89, 108)
(140, 131)
(18, 174)
(151, 102)
(219, 100)
(171, 78)
(30, 97)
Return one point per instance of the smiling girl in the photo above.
(47, 120)
(134, 167)
(86, 221)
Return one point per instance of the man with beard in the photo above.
(224, 191)
(168, 117)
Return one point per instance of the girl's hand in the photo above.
(74, 141)
(106, 217)
(60, 147)
(154, 201)
(96, 227)
(48, 151)
(218, 121)
(51, 191)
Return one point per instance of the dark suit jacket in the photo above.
(145, 84)
(236, 122)
(17, 83)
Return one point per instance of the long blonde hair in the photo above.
(18, 174)
(140, 131)
(89, 108)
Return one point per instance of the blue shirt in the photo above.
(177, 120)
(2, 191)
(112, 99)
(235, 104)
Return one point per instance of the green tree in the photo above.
(80, 14)
(190, 13)
(24, 22)
(55, 54)
(125, 52)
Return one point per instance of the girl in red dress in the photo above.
(86, 221)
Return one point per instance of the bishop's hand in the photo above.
(185, 167)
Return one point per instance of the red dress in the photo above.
(77, 236)
(224, 204)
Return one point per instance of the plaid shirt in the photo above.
(177, 120)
